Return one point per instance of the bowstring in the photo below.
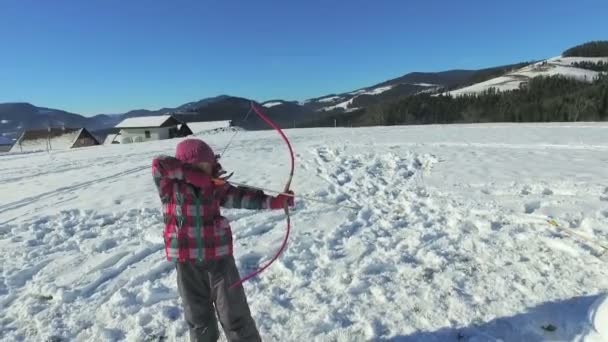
(236, 132)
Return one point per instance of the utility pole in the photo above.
(48, 141)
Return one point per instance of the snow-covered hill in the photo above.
(345, 101)
(450, 243)
(550, 67)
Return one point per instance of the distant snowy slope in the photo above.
(271, 104)
(342, 105)
(329, 99)
(550, 67)
(347, 101)
(568, 61)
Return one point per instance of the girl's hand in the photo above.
(280, 200)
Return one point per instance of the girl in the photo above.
(199, 240)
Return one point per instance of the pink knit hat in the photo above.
(194, 151)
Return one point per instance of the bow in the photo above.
(262, 116)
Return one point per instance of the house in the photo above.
(53, 139)
(147, 128)
(184, 130)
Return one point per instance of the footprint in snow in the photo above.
(172, 312)
(531, 207)
(495, 225)
(105, 245)
(604, 196)
(249, 263)
(343, 178)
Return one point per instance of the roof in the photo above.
(197, 127)
(148, 121)
(34, 134)
(43, 139)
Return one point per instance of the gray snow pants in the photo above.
(203, 285)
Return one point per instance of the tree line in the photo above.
(591, 49)
(541, 99)
(599, 66)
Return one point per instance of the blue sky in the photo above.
(110, 56)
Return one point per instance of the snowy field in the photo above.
(451, 242)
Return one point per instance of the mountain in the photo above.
(188, 107)
(585, 63)
(5, 141)
(15, 117)
(193, 106)
(406, 85)
(237, 109)
(556, 89)
(18, 116)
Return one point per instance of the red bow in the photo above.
(262, 116)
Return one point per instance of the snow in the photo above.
(552, 70)
(450, 242)
(567, 61)
(272, 104)
(329, 99)
(550, 67)
(344, 105)
(373, 91)
(357, 92)
(502, 83)
(425, 84)
(143, 121)
(377, 91)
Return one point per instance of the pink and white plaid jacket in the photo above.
(195, 230)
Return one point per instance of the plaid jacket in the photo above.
(194, 228)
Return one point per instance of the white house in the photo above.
(147, 128)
